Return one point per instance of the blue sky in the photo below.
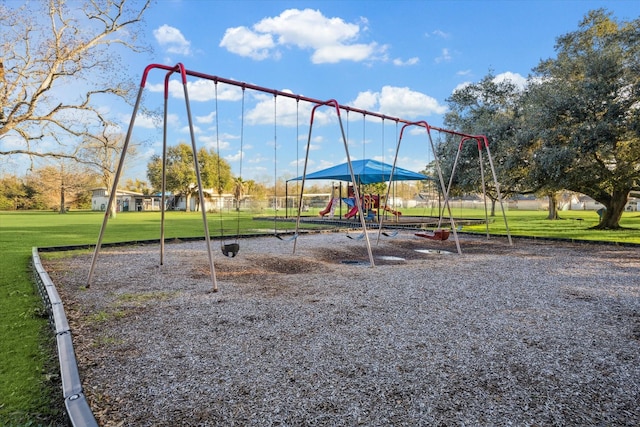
(400, 58)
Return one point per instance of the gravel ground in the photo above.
(534, 334)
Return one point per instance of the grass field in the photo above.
(572, 225)
(26, 361)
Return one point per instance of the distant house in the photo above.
(633, 204)
(568, 202)
(125, 200)
(212, 201)
(582, 202)
(527, 202)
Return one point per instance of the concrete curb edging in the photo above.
(78, 409)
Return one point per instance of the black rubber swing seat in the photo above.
(231, 249)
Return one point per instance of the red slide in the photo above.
(327, 209)
(352, 212)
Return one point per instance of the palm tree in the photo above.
(238, 191)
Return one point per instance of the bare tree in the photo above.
(63, 185)
(48, 48)
(102, 152)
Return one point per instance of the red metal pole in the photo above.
(216, 79)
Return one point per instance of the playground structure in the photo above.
(335, 108)
(370, 204)
(366, 171)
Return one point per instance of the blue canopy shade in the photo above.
(366, 171)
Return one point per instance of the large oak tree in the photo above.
(583, 113)
(575, 127)
(180, 172)
(490, 108)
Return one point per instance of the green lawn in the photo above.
(573, 225)
(26, 359)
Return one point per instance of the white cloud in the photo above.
(234, 158)
(399, 102)
(172, 40)
(441, 34)
(208, 140)
(147, 121)
(411, 61)
(408, 103)
(461, 86)
(12, 142)
(289, 112)
(147, 154)
(366, 100)
(515, 78)
(308, 28)
(445, 56)
(258, 158)
(200, 90)
(244, 42)
(331, 39)
(196, 130)
(217, 141)
(339, 52)
(208, 119)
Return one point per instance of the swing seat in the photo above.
(288, 239)
(231, 249)
(358, 237)
(439, 234)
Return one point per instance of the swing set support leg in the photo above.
(178, 68)
(114, 187)
(196, 165)
(334, 103)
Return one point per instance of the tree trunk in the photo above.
(62, 209)
(108, 181)
(553, 206)
(113, 211)
(493, 207)
(187, 201)
(614, 209)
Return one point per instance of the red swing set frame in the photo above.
(183, 73)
